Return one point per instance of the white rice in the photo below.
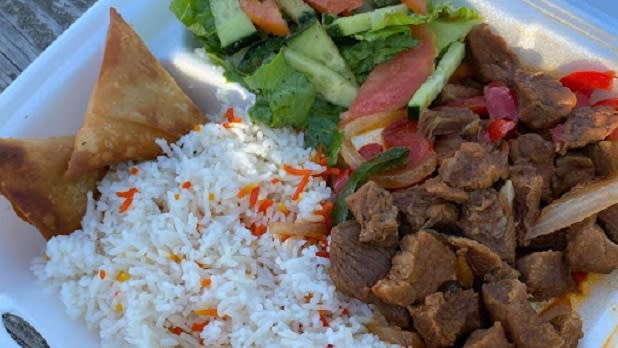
(267, 293)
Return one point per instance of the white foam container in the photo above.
(50, 97)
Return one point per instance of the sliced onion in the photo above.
(314, 230)
(379, 120)
(575, 206)
(350, 155)
(407, 176)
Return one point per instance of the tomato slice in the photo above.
(369, 151)
(587, 81)
(500, 102)
(335, 7)
(265, 14)
(418, 6)
(612, 102)
(475, 104)
(391, 85)
(338, 181)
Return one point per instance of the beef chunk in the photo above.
(395, 335)
(570, 171)
(474, 167)
(446, 146)
(504, 272)
(528, 188)
(585, 126)
(453, 92)
(442, 190)
(442, 318)
(425, 210)
(493, 337)
(608, 219)
(373, 208)
(490, 54)
(448, 121)
(566, 321)
(487, 218)
(555, 241)
(422, 265)
(395, 315)
(543, 101)
(355, 266)
(604, 154)
(590, 250)
(532, 149)
(480, 258)
(507, 302)
(546, 274)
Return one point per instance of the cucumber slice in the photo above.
(234, 28)
(346, 26)
(332, 86)
(314, 43)
(430, 89)
(449, 31)
(298, 10)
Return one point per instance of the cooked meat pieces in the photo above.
(586, 125)
(395, 315)
(590, 250)
(355, 266)
(494, 337)
(448, 121)
(608, 219)
(566, 321)
(528, 188)
(419, 268)
(546, 274)
(453, 92)
(373, 208)
(504, 272)
(604, 154)
(395, 335)
(444, 317)
(491, 56)
(442, 190)
(474, 167)
(425, 210)
(532, 149)
(506, 301)
(479, 257)
(556, 241)
(487, 218)
(543, 101)
(446, 146)
(571, 170)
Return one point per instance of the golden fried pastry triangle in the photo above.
(32, 179)
(134, 102)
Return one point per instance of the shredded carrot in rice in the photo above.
(201, 265)
(123, 276)
(297, 171)
(265, 204)
(199, 327)
(327, 213)
(128, 199)
(177, 196)
(133, 171)
(119, 308)
(211, 196)
(186, 185)
(176, 330)
(301, 187)
(175, 258)
(206, 312)
(253, 198)
(102, 274)
(231, 117)
(275, 181)
(206, 282)
(258, 230)
(283, 208)
(345, 312)
(323, 317)
(245, 190)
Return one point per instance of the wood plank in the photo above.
(27, 27)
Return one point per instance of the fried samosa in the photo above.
(134, 102)
(32, 179)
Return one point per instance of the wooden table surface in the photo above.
(27, 27)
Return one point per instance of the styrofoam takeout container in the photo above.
(50, 97)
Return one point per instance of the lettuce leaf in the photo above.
(376, 47)
(198, 18)
(443, 12)
(284, 96)
(322, 129)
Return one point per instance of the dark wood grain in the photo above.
(27, 27)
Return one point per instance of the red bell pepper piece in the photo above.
(501, 103)
(338, 181)
(497, 129)
(612, 102)
(587, 81)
